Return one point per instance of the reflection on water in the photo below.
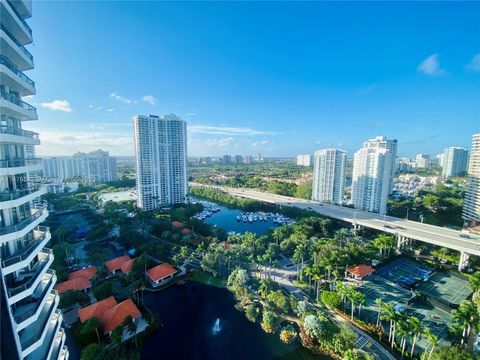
(201, 322)
(216, 327)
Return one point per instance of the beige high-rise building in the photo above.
(471, 207)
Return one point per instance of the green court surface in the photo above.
(435, 319)
(447, 288)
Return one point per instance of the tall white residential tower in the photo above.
(455, 161)
(372, 176)
(471, 207)
(161, 160)
(329, 175)
(381, 142)
(30, 321)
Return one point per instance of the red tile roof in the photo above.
(127, 266)
(161, 271)
(186, 231)
(117, 314)
(97, 309)
(88, 273)
(75, 284)
(361, 270)
(123, 263)
(109, 312)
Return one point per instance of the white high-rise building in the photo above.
(372, 178)
(422, 161)
(161, 160)
(381, 142)
(304, 160)
(455, 161)
(329, 175)
(96, 166)
(29, 319)
(471, 207)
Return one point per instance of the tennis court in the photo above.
(377, 288)
(446, 288)
(435, 319)
(404, 272)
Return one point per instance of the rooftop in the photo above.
(161, 271)
(361, 270)
(76, 284)
(97, 309)
(123, 263)
(88, 273)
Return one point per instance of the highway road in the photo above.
(456, 240)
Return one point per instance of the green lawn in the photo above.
(204, 278)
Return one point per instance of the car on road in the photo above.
(465, 236)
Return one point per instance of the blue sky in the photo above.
(273, 78)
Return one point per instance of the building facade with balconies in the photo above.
(31, 323)
(161, 160)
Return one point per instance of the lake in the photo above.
(227, 218)
(190, 329)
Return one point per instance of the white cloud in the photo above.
(261, 142)
(68, 142)
(213, 143)
(223, 130)
(431, 66)
(60, 105)
(90, 106)
(150, 99)
(110, 110)
(123, 99)
(474, 65)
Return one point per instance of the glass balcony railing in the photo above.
(14, 69)
(35, 336)
(16, 100)
(28, 314)
(10, 163)
(19, 17)
(32, 274)
(16, 194)
(19, 132)
(22, 254)
(35, 214)
(20, 46)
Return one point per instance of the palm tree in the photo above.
(432, 341)
(341, 290)
(416, 330)
(90, 325)
(389, 314)
(402, 330)
(465, 318)
(474, 283)
(379, 303)
(263, 289)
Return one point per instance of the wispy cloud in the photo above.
(150, 99)
(431, 66)
(60, 105)
(68, 142)
(213, 143)
(224, 130)
(110, 110)
(261, 142)
(367, 89)
(123, 99)
(191, 113)
(474, 65)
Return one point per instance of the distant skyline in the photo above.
(277, 78)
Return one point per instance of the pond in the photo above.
(200, 322)
(227, 218)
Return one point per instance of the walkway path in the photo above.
(281, 276)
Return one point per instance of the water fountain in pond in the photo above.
(216, 327)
